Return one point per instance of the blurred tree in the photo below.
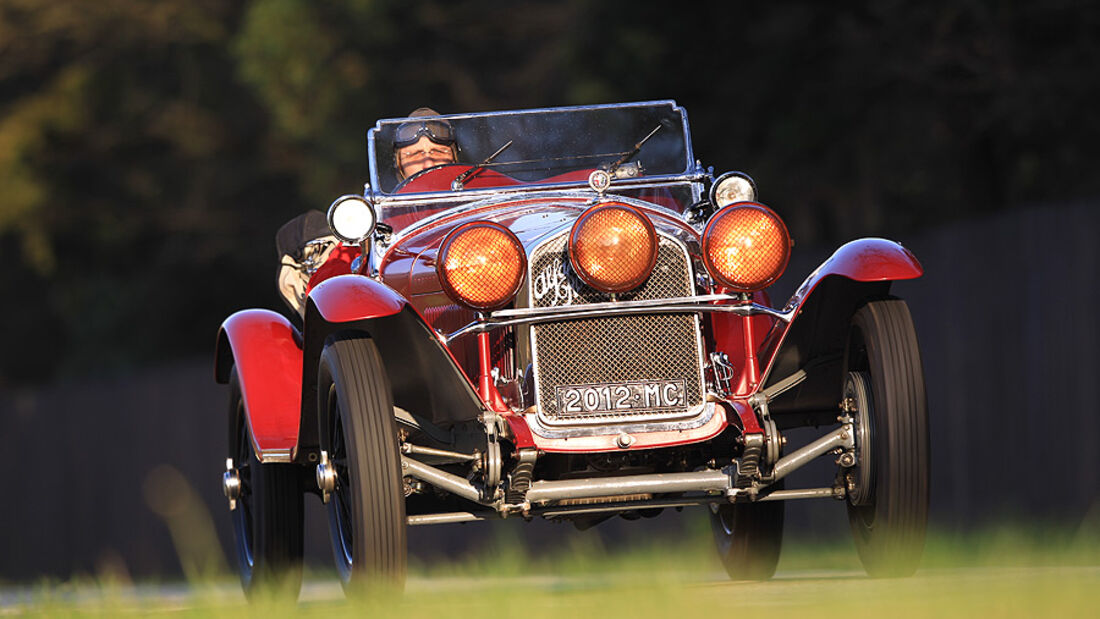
(867, 117)
(150, 149)
(139, 180)
(326, 69)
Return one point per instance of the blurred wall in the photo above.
(1006, 313)
(99, 474)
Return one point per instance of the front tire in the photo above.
(749, 537)
(268, 519)
(888, 502)
(367, 508)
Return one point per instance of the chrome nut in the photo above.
(231, 484)
(326, 477)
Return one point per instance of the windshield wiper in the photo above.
(457, 183)
(628, 155)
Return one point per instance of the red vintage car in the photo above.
(569, 319)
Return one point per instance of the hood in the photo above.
(409, 264)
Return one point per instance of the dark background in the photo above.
(149, 151)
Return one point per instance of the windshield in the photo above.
(534, 147)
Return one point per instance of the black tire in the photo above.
(888, 504)
(367, 509)
(748, 537)
(268, 519)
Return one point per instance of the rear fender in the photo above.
(267, 353)
(424, 376)
(822, 307)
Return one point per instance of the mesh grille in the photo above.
(616, 349)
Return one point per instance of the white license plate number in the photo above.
(620, 397)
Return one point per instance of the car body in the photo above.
(572, 324)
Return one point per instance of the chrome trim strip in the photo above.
(610, 419)
(701, 303)
(695, 418)
(682, 303)
(468, 195)
(268, 456)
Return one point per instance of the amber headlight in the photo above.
(746, 246)
(481, 265)
(613, 247)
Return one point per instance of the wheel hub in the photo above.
(857, 402)
(326, 477)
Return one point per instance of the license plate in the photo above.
(620, 397)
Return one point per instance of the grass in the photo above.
(1005, 571)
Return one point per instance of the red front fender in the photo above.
(814, 340)
(266, 350)
(347, 298)
(864, 260)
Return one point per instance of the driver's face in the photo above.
(423, 154)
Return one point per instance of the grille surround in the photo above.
(614, 349)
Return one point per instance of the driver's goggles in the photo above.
(434, 130)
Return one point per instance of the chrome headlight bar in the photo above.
(533, 315)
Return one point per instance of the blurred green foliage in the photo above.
(985, 574)
(150, 149)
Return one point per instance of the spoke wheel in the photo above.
(888, 501)
(268, 520)
(748, 537)
(367, 509)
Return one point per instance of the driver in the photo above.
(423, 143)
(305, 243)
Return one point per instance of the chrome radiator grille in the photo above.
(608, 352)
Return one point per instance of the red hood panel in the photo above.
(532, 220)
